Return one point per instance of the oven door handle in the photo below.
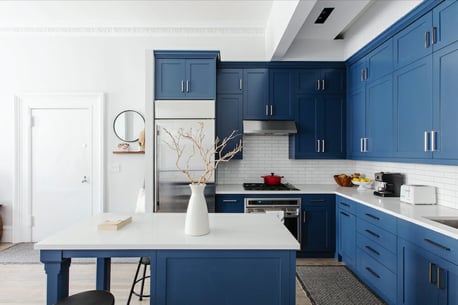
(292, 214)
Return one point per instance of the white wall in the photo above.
(93, 62)
(265, 154)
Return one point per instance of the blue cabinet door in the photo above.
(170, 80)
(356, 123)
(330, 123)
(445, 24)
(318, 225)
(346, 234)
(255, 94)
(379, 118)
(307, 81)
(356, 75)
(380, 62)
(303, 145)
(229, 203)
(229, 117)
(413, 42)
(414, 108)
(229, 81)
(200, 79)
(281, 94)
(425, 279)
(445, 106)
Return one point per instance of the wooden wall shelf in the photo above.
(128, 152)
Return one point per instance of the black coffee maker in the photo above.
(388, 184)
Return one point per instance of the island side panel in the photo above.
(208, 277)
(57, 275)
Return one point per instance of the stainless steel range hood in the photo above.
(269, 127)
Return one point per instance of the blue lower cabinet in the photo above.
(424, 278)
(346, 231)
(378, 277)
(209, 277)
(317, 226)
(229, 203)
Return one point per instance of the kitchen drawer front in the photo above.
(229, 204)
(377, 252)
(384, 238)
(377, 218)
(346, 204)
(377, 277)
(437, 243)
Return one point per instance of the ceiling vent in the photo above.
(324, 15)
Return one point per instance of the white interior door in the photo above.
(60, 169)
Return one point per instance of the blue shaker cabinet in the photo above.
(229, 118)
(346, 231)
(185, 74)
(229, 203)
(229, 81)
(319, 81)
(281, 106)
(256, 94)
(318, 232)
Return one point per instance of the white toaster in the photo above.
(418, 194)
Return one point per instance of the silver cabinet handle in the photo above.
(439, 283)
(427, 40)
(322, 85)
(267, 109)
(430, 273)
(426, 141)
(271, 110)
(230, 200)
(362, 144)
(318, 84)
(304, 217)
(433, 140)
(240, 84)
(362, 74)
(318, 146)
(182, 85)
(434, 35)
(322, 145)
(84, 180)
(187, 86)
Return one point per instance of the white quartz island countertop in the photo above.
(414, 213)
(166, 231)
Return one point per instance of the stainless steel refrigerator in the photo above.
(171, 190)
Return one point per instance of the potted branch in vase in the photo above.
(211, 155)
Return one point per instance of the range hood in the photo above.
(269, 127)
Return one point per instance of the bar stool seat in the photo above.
(145, 261)
(91, 297)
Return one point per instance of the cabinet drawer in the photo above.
(377, 252)
(229, 204)
(378, 218)
(437, 243)
(384, 238)
(377, 276)
(347, 204)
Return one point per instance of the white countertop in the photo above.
(393, 206)
(166, 231)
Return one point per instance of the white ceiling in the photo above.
(286, 25)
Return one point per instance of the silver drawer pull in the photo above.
(429, 241)
(230, 200)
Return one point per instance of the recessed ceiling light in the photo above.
(324, 15)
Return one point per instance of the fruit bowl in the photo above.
(362, 185)
(343, 180)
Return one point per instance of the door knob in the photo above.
(84, 180)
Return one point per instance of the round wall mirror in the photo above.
(128, 124)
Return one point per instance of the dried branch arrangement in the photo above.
(211, 156)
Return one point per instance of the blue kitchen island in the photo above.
(245, 259)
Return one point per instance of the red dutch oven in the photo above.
(272, 179)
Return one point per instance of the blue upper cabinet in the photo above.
(414, 108)
(185, 74)
(316, 81)
(229, 113)
(281, 105)
(229, 81)
(356, 123)
(414, 42)
(445, 24)
(256, 94)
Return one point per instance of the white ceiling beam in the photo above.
(285, 21)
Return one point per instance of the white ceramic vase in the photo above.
(196, 222)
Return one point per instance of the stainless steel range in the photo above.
(269, 187)
(289, 207)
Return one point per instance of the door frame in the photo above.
(23, 106)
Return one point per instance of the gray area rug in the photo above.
(334, 285)
(24, 253)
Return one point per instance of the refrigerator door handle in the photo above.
(156, 178)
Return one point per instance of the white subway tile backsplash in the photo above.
(265, 154)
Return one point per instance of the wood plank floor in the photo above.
(25, 284)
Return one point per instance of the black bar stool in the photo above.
(145, 261)
(91, 297)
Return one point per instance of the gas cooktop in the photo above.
(269, 187)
